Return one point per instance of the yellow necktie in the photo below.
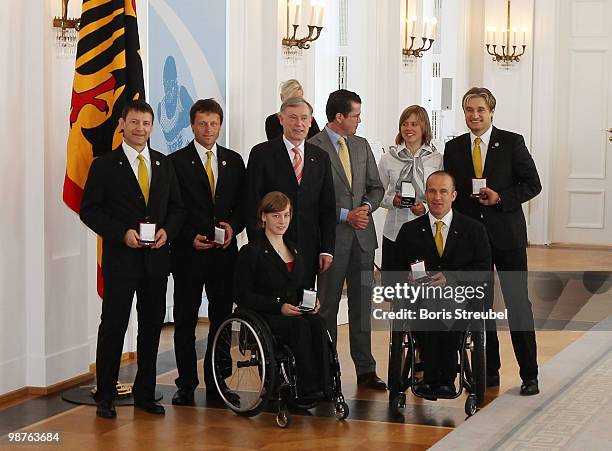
(143, 178)
(477, 158)
(209, 173)
(343, 153)
(438, 238)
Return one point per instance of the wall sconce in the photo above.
(66, 31)
(292, 45)
(507, 41)
(410, 52)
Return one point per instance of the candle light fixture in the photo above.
(504, 45)
(414, 46)
(66, 31)
(292, 45)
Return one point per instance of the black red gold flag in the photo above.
(108, 73)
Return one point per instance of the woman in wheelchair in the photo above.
(268, 280)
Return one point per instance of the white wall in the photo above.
(12, 188)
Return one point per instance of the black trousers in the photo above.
(215, 273)
(439, 354)
(388, 253)
(307, 338)
(116, 306)
(311, 266)
(511, 268)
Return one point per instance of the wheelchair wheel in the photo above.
(479, 364)
(397, 374)
(244, 366)
(398, 403)
(341, 410)
(470, 405)
(283, 418)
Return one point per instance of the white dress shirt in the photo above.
(447, 219)
(389, 169)
(132, 156)
(204, 157)
(485, 140)
(290, 147)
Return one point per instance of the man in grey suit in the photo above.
(358, 193)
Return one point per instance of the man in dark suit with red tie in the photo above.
(302, 171)
(211, 178)
(500, 158)
(125, 188)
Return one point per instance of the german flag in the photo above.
(108, 73)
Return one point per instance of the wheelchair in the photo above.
(250, 369)
(403, 366)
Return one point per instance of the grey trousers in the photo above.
(356, 266)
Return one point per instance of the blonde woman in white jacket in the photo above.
(412, 159)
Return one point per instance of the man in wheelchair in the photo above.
(450, 245)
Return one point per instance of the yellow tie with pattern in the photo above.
(438, 238)
(477, 158)
(209, 173)
(343, 153)
(143, 178)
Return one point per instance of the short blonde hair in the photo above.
(422, 119)
(488, 97)
(290, 87)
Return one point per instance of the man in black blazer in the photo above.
(452, 246)
(302, 171)
(214, 201)
(125, 188)
(502, 159)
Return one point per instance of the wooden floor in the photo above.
(370, 425)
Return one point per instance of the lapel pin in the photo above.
(423, 230)
(223, 163)
(496, 145)
(157, 163)
(192, 162)
(312, 159)
(265, 251)
(121, 162)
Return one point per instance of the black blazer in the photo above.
(467, 247)
(510, 171)
(313, 226)
(113, 203)
(202, 214)
(262, 281)
(274, 129)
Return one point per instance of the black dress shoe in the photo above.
(426, 391)
(310, 400)
(530, 387)
(183, 398)
(493, 380)
(371, 380)
(446, 391)
(151, 407)
(106, 409)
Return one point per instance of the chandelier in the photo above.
(415, 46)
(504, 47)
(293, 45)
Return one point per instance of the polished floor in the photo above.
(566, 304)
